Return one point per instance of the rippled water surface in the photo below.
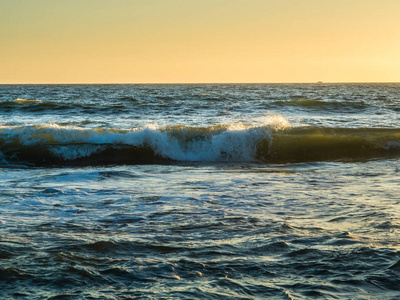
(175, 192)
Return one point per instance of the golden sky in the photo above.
(196, 41)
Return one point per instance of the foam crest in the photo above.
(276, 122)
(235, 143)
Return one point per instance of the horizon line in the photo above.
(177, 83)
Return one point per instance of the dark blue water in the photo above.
(200, 191)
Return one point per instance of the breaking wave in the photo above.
(275, 142)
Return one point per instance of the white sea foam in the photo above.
(235, 142)
(277, 122)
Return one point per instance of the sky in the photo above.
(199, 41)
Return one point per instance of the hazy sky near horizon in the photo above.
(182, 41)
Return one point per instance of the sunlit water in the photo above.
(200, 191)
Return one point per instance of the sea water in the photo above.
(209, 191)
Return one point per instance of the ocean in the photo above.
(200, 191)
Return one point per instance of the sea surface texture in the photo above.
(213, 191)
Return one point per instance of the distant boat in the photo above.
(319, 81)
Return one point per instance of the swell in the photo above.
(330, 144)
(323, 104)
(272, 143)
(128, 103)
(36, 105)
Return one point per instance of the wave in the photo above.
(314, 103)
(37, 105)
(276, 142)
